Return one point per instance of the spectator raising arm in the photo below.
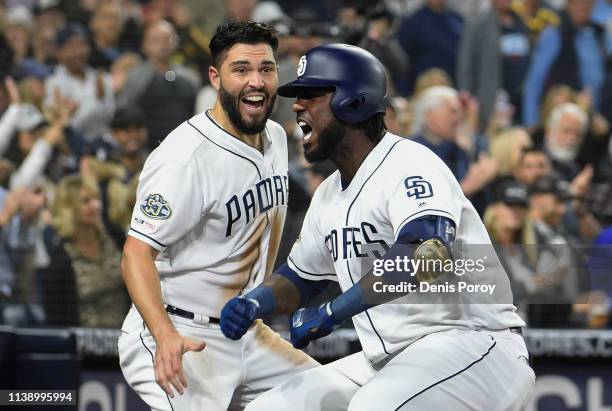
(34, 164)
(8, 122)
(541, 61)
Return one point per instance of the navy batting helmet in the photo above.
(358, 78)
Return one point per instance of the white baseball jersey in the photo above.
(400, 180)
(214, 207)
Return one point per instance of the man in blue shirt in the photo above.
(571, 54)
(430, 38)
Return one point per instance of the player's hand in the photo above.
(309, 324)
(237, 316)
(168, 361)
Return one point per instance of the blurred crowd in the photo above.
(514, 95)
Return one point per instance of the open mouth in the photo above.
(254, 102)
(306, 129)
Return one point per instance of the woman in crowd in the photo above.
(83, 281)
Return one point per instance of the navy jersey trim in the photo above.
(225, 148)
(382, 342)
(149, 237)
(423, 211)
(348, 212)
(450, 376)
(152, 359)
(261, 153)
(308, 272)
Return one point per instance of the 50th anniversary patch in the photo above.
(154, 206)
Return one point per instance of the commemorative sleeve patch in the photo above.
(145, 225)
(154, 206)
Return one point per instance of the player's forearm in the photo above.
(286, 294)
(142, 281)
(424, 239)
(361, 296)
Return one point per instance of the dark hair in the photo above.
(126, 117)
(68, 31)
(530, 150)
(374, 127)
(246, 32)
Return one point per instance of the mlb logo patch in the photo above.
(154, 206)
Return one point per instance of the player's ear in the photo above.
(214, 76)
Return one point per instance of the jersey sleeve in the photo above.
(309, 257)
(428, 191)
(168, 205)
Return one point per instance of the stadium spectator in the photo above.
(31, 78)
(10, 116)
(571, 54)
(83, 281)
(115, 163)
(555, 280)
(106, 26)
(505, 221)
(44, 47)
(120, 69)
(565, 131)
(20, 231)
(380, 39)
(192, 49)
(429, 78)
(19, 24)
(532, 164)
(75, 80)
(436, 123)
(49, 14)
(536, 15)
(506, 149)
(493, 55)
(602, 14)
(164, 92)
(596, 138)
(44, 146)
(430, 37)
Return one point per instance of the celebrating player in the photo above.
(206, 227)
(393, 198)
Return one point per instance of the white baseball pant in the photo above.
(226, 375)
(457, 370)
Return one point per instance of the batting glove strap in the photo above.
(309, 324)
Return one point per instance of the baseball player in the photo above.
(211, 204)
(391, 199)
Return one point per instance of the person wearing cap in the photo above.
(505, 221)
(557, 278)
(17, 31)
(74, 79)
(36, 140)
(115, 161)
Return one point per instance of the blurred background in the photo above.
(514, 95)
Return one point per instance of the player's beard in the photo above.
(231, 105)
(328, 141)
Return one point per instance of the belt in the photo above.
(198, 318)
(517, 330)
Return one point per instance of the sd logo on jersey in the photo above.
(154, 206)
(417, 187)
